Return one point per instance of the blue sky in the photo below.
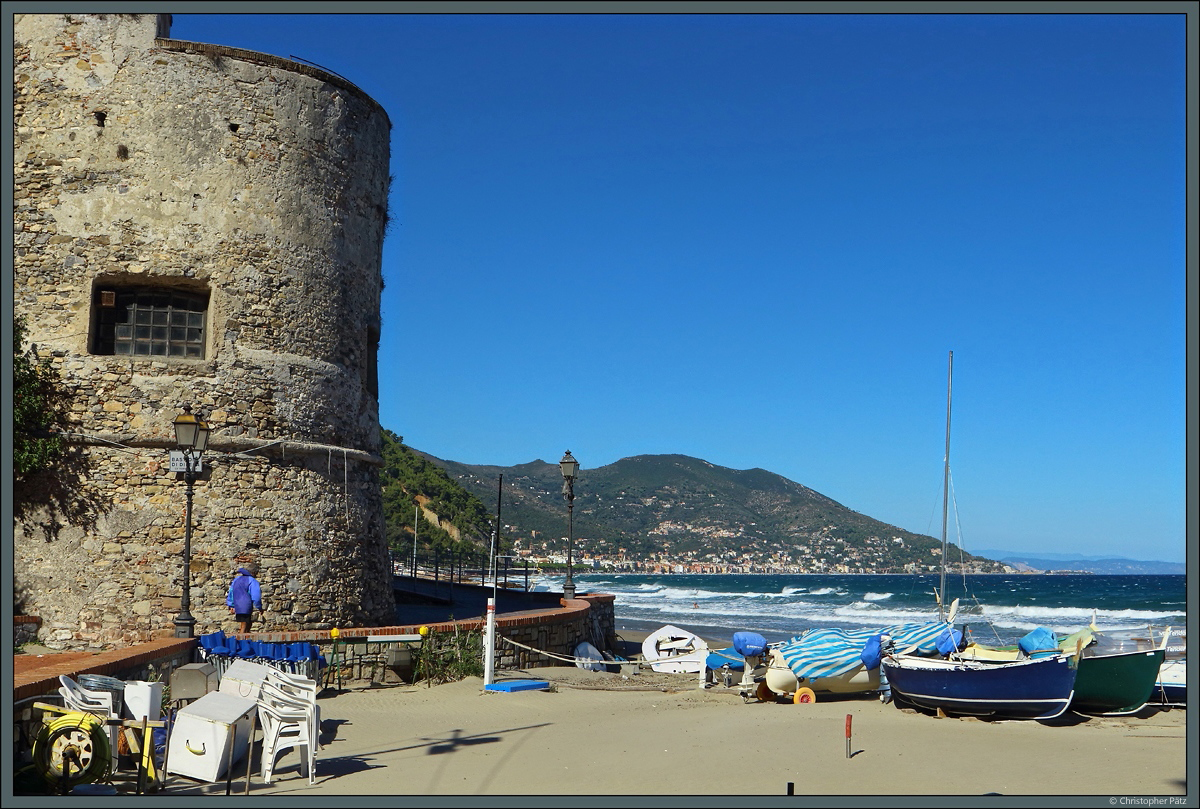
(754, 240)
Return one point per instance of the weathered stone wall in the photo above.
(262, 184)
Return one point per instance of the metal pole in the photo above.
(946, 490)
(185, 624)
(489, 644)
(569, 587)
(496, 536)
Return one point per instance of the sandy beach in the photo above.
(600, 733)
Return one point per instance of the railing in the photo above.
(454, 567)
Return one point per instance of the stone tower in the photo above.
(199, 225)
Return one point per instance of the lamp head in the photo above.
(569, 466)
(191, 432)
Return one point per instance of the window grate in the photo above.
(151, 323)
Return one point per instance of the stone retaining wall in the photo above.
(25, 629)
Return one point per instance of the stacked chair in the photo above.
(290, 718)
(104, 704)
(294, 658)
(287, 699)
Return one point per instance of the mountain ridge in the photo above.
(690, 510)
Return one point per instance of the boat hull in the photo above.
(675, 650)
(1033, 689)
(781, 680)
(1116, 684)
(1170, 687)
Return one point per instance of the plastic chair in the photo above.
(299, 655)
(300, 688)
(215, 648)
(99, 703)
(84, 700)
(287, 722)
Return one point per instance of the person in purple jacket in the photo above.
(245, 595)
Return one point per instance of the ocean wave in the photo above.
(1077, 614)
(876, 596)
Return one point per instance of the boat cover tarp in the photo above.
(749, 644)
(1040, 642)
(949, 641)
(872, 652)
(830, 652)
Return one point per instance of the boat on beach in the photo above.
(1040, 686)
(671, 649)
(1170, 686)
(842, 661)
(1116, 674)
(1037, 688)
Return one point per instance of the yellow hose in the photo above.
(74, 745)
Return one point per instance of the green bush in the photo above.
(445, 657)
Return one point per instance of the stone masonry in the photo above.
(256, 188)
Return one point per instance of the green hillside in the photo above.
(680, 508)
(408, 478)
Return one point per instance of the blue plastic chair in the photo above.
(279, 656)
(300, 656)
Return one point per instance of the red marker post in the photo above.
(848, 718)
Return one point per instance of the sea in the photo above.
(997, 609)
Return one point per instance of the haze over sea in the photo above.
(997, 608)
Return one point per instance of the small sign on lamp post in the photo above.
(179, 464)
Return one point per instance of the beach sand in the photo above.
(600, 733)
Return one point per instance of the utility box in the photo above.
(193, 681)
(203, 732)
(143, 699)
(243, 678)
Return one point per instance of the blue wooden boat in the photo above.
(1039, 688)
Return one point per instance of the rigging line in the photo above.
(966, 588)
(98, 439)
(245, 452)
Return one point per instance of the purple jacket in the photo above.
(243, 592)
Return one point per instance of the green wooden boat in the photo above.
(1115, 683)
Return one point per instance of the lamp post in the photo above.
(570, 468)
(191, 436)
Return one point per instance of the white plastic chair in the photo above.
(302, 688)
(287, 721)
(100, 703)
(84, 700)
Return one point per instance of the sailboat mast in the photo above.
(946, 488)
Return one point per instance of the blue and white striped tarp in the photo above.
(830, 652)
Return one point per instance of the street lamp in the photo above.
(191, 436)
(570, 468)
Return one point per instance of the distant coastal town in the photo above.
(845, 559)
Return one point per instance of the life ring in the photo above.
(804, 696)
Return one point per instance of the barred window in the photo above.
(149, 323)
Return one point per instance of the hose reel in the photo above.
(72, 750)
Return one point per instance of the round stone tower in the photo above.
(199, 226)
